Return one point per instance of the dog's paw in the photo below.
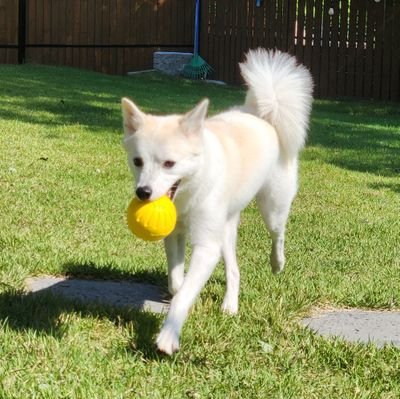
(174, 283)
(277, 268)
(230, 307)
(168, 340)
(173, 287)
(277, 264)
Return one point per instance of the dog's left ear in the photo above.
(193, 121)
(132, 115)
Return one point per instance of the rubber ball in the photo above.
(151, 220)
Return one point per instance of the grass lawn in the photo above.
(65, 186)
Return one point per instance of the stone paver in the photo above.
(378, 327)
(115, 293)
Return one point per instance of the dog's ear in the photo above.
(193, 121)
(132, 115)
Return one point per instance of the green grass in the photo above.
(65, 186)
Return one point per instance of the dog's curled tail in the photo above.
(280, 92)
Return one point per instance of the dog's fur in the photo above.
(221, 164)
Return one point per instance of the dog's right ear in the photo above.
(132, 115)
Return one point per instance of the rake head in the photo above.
(197, 68)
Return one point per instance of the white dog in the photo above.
(212, 168)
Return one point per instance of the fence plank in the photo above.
(291, 26)
(387, 49)
(351, 55)
(325, 51)
(31, 22)
(300, 30)
(236, 52)
(309, 27)
(62, 36)
(4, 35)
(219, 36)
(39, 20)
(259, 28)
(369, 51)
(8, 31)
(281, 26)
(378, 23)
(270, 7)
(333, 54)
(316, 58)
(342, 48)
(360, 49)
(9, 23)
(8, 55)
(224, 49)
(395, 64)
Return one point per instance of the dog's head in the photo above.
(162, 151)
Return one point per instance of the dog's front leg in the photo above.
(202, 264)
(175, 249)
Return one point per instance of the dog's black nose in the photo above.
(144, 192)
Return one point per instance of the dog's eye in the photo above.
(168, 164)
(138, 162)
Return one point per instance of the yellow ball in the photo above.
(151, 220)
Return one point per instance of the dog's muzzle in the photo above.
(144, 192)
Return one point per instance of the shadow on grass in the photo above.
(63, 96)
(53, 100)
(91, 270)
(49, 98)
(42, 312)
(354, 135)
(395, 187)
(359, 136)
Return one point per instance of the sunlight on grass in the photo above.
(65, 186)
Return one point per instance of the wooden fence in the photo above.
(352, 47)
(9, 32)
(111, 36)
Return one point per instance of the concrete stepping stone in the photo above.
(378, 327)
(116, 293)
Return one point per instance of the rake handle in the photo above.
(196, 27)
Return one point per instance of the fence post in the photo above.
(21, 31)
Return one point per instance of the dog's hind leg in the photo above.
(275, 208)
(175, 250)
(231, 299)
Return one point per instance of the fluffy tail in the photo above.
(280, 92)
